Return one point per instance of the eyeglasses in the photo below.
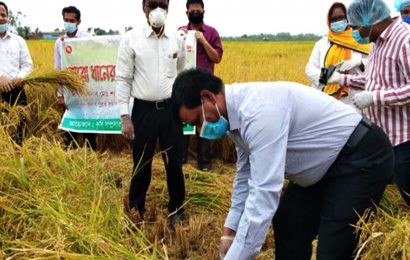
(154, 5)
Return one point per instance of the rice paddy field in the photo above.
(72, 204)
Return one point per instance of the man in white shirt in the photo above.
(15, 64)
(149, 58)
(72, 19)
(337, 162)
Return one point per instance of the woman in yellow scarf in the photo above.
(338, 49)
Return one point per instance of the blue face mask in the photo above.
(358, 38)
(70, 27)
(4, 27)
(339, 26)
(406, 19)
(213, 131)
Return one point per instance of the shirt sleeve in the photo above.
(57, 55)
(26, 63)
(240, 189)
(57, 63)
(400, 96)
(124, 74)
(268, 145)
(357, 81)
(313, 67)
(216, 43)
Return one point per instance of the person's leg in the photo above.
(203, 153)
(402, 170)
(185, 147)
(296, 221)
(90, 140)
(145, 131)
(355, 184)
(17, 96)
(170, 138)
(71, 139)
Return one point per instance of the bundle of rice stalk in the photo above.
(58, 79)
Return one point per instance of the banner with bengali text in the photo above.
(94, 59)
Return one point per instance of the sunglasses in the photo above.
(154, 5)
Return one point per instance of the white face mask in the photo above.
(157, 17)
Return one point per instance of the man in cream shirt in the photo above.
(15, 64)
(149, 59)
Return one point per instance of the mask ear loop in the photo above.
(203, 111)
(217, 109)
(370, 33)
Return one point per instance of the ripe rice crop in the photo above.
(72, 204)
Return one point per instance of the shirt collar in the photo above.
(388, 31)
(7, 35)
(148, 31)
(79, 34)
(202, 28)
(232, 108)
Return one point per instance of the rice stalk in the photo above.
(57, 79)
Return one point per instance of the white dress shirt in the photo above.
(317, 62)
(15, 59)
(57, 54)
(147, 65)
(280, 129)
(57, 47)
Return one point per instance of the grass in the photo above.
(58, 204)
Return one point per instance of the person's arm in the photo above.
(240, 190)
(214, 52)
(26, 63)
(313, 67)
(401, 96)
(267, 141)
(124, 74)
(354, 81)
(57, 66)
(57, 55)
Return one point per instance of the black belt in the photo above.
(154, 105)
(361, 130)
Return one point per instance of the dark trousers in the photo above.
(203, 151)
(402, 170)
(17, 96)
(72, 139)
(354, 183)
(150, 124)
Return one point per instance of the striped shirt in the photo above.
(388, 77)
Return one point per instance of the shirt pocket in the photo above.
(172, 60)
(13, 57)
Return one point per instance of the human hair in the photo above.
(190, 2)
(187, 88)
(335, 6)
(72, 9)
(5, 7)
(144, 1)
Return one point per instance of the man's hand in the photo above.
(127, 127)
(335, 78)
(18, 83)
(227, 239)
(200, 37)
(348, 65)
(363, 99)
(5, 84)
